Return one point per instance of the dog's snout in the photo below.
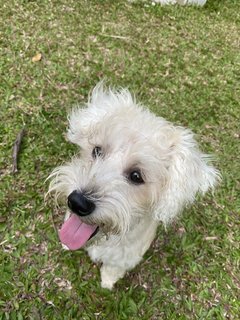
(80, 204)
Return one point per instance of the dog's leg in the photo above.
(110, 275)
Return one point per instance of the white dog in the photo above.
(134, 171)
(182, 2)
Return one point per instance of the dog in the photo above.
(182, 2)
(134, 171)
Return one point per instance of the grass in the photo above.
(184, 64)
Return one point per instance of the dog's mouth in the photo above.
(74, 233)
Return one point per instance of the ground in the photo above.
(184, 64)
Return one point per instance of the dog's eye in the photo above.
(97, 152)
(136, 177)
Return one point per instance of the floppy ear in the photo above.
(189, 171)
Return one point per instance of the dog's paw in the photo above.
(110, 275)
(107, 284)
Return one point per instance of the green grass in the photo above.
(184, 64)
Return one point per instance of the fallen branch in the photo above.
(16, 149)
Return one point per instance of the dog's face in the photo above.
(132, 166)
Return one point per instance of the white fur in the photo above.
(173, 169)
(182, 2)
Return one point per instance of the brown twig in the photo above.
(16, 149)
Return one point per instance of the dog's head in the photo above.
(132, 166)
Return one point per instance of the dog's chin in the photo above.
(106, 227)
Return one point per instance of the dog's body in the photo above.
(135, 170)
(119, 256)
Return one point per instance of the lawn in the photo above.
(181, 62)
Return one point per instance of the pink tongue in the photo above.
(75, 233)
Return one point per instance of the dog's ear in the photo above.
(189, 172)
(102, 103)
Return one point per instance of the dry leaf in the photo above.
(37, 57)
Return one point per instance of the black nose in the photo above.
(79, 204)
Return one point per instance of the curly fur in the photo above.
(172, 166)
